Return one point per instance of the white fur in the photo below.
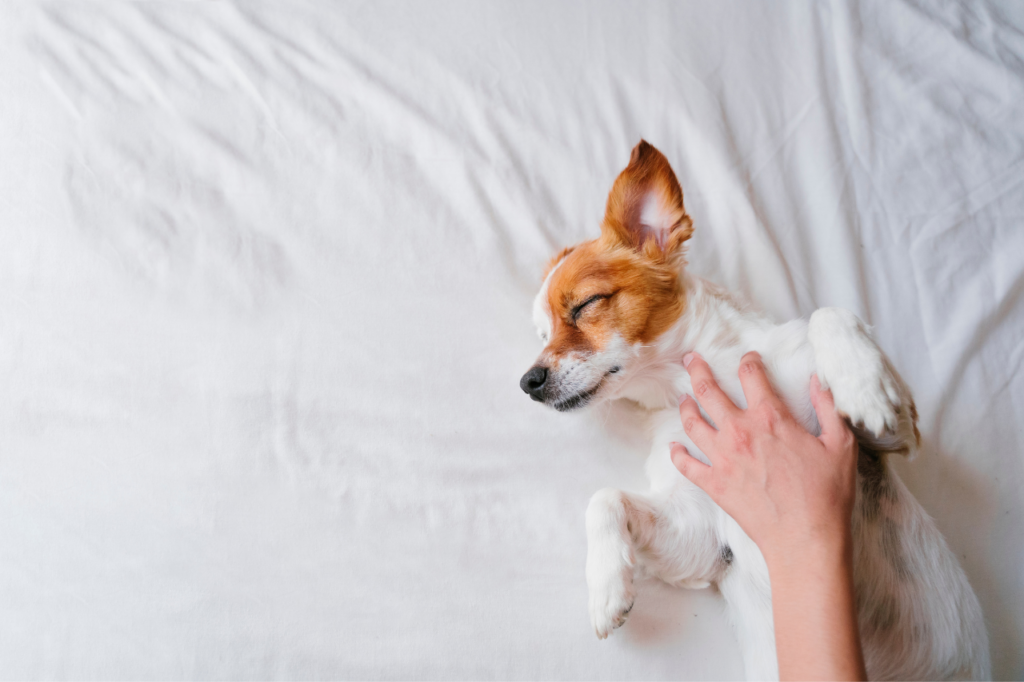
(542, 309)
(918, 616)
(656, 218)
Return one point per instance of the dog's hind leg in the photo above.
(623, 529)
(746, 589)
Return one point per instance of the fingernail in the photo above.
(682, 398)
(687, 359)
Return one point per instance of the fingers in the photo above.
(691, 467)
(699, 431)
(705, 389)
(834, 430)
(756, 386)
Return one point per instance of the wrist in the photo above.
(815, 610)
(793, 553)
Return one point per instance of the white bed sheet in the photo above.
(265, 277)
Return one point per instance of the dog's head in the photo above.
(604, 299)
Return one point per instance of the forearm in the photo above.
(792, 493)
(815, 614)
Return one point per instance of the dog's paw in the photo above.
(854, 368)
(869, 398)
(611, 598)
(610, 561)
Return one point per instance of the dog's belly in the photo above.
(789, 360)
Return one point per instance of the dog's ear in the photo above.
(645, 207)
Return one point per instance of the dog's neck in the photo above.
(713, 323)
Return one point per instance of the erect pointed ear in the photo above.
(645, 207)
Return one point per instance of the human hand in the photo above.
(791, 492)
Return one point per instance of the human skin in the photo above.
(793, 494)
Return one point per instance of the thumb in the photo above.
(691, 467)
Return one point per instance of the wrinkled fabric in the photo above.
(266, 272)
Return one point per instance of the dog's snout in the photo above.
(533, 382)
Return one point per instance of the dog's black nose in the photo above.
(533, 382)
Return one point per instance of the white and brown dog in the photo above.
(616, 315)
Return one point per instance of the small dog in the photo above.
(616, 315)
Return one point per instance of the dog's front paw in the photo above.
(610, 561)
(854, 368)
(869, 397)
(611, 596)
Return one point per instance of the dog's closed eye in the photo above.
(578, 309)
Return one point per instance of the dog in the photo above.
(616, 315)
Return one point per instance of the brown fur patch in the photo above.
(892, 548)
(634, 268)
(875, 486)
(883, 614)
(644, 297)
(648, 176)
(558, 258)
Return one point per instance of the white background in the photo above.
(265, 285)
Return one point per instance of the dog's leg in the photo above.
(865, 386)
(746, 589)
(623, 529)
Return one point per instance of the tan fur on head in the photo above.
(642, 297)
(634, 265)
(558, 258)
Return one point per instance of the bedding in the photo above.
(265, 282)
